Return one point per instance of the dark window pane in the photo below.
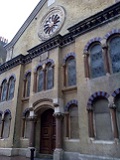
(11, 88)
(71, 71)
(49, 76)
(7, 122)
(4, 91)
(73, 117)
(27, 126)
(96, 61)
(40, 80)
(102, 120)
(115, 54)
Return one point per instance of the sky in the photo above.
(13, 14)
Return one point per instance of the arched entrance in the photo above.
(48, 138)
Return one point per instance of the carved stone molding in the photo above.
(51, 23)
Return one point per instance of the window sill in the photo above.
(92, 140)
(25, 139)
(72, 140)
(65, 89)
(25, 99)
(3, 139)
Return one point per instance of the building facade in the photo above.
(59, 86)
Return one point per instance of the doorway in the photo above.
(48, 136)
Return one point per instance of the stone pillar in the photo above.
(1, 134)
(86, 65)
(0, 91)
(114, 118)
(105, 53)
(24, 91)
(90, 123)
(67, 124)
(64, 71)
(32, 119)
(32, 131)
(35, 82)
(58, 152)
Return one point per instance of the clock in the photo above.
(51, 23)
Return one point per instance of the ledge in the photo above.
(66, 89)
(92, 140)
(96, 20)
(25, 99)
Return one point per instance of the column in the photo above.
(59, 117)
(58, 153)
(0, 92)
(67, 124)
(114, 118)
(86, 65)
(35, 82)
(1, 134)
(24, 91)
(105, 53)
(90, 122)
(32, 131)
(23, 127)
(31, 148)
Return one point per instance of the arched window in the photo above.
(27, 84)
(40, 79)
(72, 127)
(7, 122)
(102, 119)
(73, 122)
(70, 69)
(26, 125)
(11, 87)
(49, 76)
(4, 88)
(114, 51)
(96, 61)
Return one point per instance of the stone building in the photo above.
(60, 84)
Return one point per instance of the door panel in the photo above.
(48, 138)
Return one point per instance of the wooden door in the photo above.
(48, 138)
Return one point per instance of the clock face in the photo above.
(51, 23)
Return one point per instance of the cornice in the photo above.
(12, 63)
(45, 46)
(84, 26)
(96, 20)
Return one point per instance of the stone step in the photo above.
(44, 156)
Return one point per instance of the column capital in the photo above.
(103, 43)
(89, 108)
(85, 53)
(32, 118)
(58, 114)
(111, 103)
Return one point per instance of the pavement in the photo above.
(20, 158)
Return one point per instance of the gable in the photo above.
(28, 35)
